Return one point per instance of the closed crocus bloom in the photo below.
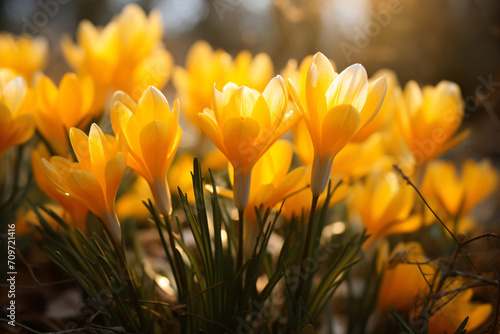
(16, 123)
(126, 55)
(402, 280)
(429, 118)
(205, 67)
(271, 182)
(244, 124)
(77, 211)
(335, 107)
(24, 54)
(94, 179)
(152, 134)
(383, 205)
(58, 109)
(454, 308)
(459, 194)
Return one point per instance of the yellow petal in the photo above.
(155, 138)
(114, 170)
(80, 144)
(350, 87)
(14, 93)
(211, 129)
(374, 99)
(339, 125)
(276, 95)
(241, 102)
(239, 136)
(85, 187)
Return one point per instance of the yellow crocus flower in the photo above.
(455, 308)
(403, 282)
(206, 67)
(244, 124)
(16, 124)
(335, 107)
(94, 179)
(383, 205)
(459, 194)
(23, 54)
(429, 118)
(77, 212)
(127, 54)
(60, 109)
(152, 133)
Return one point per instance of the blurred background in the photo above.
(425, 40)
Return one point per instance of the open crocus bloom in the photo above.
(152, 134)
(94, 179)
(335, 107)
(243, 124)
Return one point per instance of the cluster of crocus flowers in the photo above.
(243, 124)
(94, 180)
(23, 54)
(16, 121)
(60, 109)
(429, 118)
(127, 54)
(151, 132)
(206, 68)
(335, 107)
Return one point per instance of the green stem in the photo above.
(177, 263)
(239, 259)
(305, 254)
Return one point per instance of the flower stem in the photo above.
(305, 254)
(239, 261)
